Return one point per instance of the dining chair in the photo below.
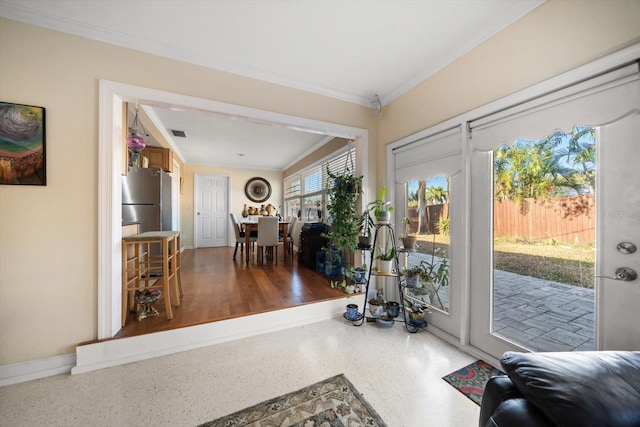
(285, 219)
(291, 234)
(268, 236)
(240, 236)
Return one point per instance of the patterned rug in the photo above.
(471, 379)
(334, 402)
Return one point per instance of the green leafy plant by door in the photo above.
(343, 192)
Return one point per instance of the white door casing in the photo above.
(211, 203)
(111, 98)
(175, 196)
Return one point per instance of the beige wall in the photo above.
(237, 199)
(556, 37)
(48, 235)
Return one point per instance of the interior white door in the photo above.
(618, 208)
(211, 210)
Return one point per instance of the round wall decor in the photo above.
(257, 189)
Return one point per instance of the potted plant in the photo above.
(366, 224)
(412, 276)
(392, 308)
(385, 260)
(417, 313)
(345, 222)
(432, 275)
(408, 238)
(376, 304)
(359, 274)
(332, 261)
(382, 209)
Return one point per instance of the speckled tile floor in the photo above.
(398, 373)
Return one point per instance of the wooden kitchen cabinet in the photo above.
(159, 158)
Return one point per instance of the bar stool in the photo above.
(143, 270)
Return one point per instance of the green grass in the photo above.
(560, 262)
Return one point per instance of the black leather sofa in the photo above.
(596, 388)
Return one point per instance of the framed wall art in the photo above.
(22, 144)
(258, 190)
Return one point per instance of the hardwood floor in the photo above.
(216, 288)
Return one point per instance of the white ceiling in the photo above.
(349, 50)
(218, 141)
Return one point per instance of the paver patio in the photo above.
(538, 314)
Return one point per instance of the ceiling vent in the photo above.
(179, 133)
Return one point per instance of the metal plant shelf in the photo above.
(410, 325)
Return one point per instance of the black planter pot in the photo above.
(364, 242)
(392, 308)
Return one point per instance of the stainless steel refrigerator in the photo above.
(146, 199)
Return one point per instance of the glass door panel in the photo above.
(427, 218)
(544, 242)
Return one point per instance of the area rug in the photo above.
(471, 379)
(334, 402)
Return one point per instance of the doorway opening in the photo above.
(112, 97)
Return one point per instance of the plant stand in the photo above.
(386, 229)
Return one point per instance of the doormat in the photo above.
(471, 379)
(332, 402)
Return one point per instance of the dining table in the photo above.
(250, 225)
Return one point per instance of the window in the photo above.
(305, 192)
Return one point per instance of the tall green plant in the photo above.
(343, 192)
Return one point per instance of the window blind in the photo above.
(312, 181)
(337, 166)
(292, 187)
(595, 102)
(438, 154)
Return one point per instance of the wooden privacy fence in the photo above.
(434, 214)
(569, 219)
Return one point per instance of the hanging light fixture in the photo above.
(135, 140)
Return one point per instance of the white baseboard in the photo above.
(116, 352)
(35, 369)
(105, 354)
(126, 350)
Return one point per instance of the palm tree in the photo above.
(502, 174)
(559, 164)
(422, 208)
(436, 195)
(575, 154)
(524, 171)
(412, 198)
